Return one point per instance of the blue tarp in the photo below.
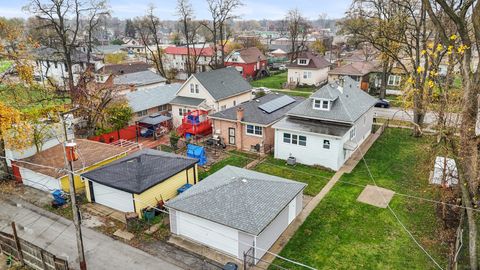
(195, 151)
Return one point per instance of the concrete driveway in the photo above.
(57, 235)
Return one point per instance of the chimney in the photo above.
(240, 112)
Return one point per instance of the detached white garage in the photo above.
(235, 210)
(111, 197)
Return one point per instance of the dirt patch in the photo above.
(92, 221)
(376, 196)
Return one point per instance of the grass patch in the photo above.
(234, 158)
(275, 81)
(4, 65)
(31, 98)
(297, 94)
(315, 177)
(342, 233)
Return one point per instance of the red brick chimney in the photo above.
(240, 113)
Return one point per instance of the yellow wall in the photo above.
(165, 190)
(79, 185)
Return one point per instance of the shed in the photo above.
(236, 210)
(140, 180)
(445, 172)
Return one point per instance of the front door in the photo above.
(231, 136)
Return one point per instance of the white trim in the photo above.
(253, 134)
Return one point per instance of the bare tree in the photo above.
(221, 11)
(185, 13)
(147, 28)
(96, 13)
(297, 28)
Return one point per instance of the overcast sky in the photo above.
(165, 9)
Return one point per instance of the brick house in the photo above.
(248, 126)
(247, 61)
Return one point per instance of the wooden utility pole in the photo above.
(70, 157)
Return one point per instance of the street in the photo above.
(400, 114)
(57, 235)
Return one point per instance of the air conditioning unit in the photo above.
(291, 160)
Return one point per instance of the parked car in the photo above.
(230, 266)
(382, 103)
(282, 67)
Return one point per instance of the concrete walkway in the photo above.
(293, 227)
(57, 235)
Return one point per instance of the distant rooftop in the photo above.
(139, 78)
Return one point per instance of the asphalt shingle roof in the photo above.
(139, 78)
(140, 171)
(223, 83)
(354, 69)
(189, 101)
(153, 97)
(316, 62)
(253, 114)
(351, 103)
(238, 198)
(249, 55)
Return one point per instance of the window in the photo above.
(325, 104)
(223, 107)
(66, 67)
(302, 61)
(394, 80)
(197, 89)
(305, 75)
(142, 113)
(326, 144)
(352, 133)
(321, 104)
(162, 108)
(309, 74)
(55, 64)
(192, 88)
(302, 140)
(234, 103)
(294, 139)
(286, 137)
(254, 130)
(182, 111)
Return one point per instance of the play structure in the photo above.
(195, 151)
(195, 123)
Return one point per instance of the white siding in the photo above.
(38, 180)
(214, 235)
(317, 76)
(311, 154)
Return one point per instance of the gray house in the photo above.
(236, 210)
(326, 128)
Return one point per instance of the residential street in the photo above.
(57, 235)
(399, 114)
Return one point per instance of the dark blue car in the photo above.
(382, 103)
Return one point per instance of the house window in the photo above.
(55, 64)
(302, 61)
(234, 103)
(142, 113)
(305, 74)
(287, 137)
(66, 67)
(326, 144)
(394, 80)
(254, 130)
(321, 104)
(192, 88)
(302, 140)
(197, 89)
(325, 104)
(162, 108)
(223, 107)
(182, 111)
(352, 133)
(294, 139)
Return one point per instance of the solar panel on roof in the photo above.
(276, 104)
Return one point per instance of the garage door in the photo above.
(113, 198)
(212, 234)
(39, 181)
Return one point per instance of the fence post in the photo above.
(244, 260)
(17, 243)
(42, 256)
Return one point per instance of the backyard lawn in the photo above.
(342, 233)
(234, 158)
(316, 178)
(275, 81)
(4, 65)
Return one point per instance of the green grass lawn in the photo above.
(275, 81)
(31, 98)
(342, 233)
(316, 178)
(234, 158)
(297, 94)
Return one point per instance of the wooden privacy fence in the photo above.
(30, 254)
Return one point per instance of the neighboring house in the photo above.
(175, 58)
(308, 69)
(102, 50)
(152, 101)
(139, 80)
(50, 66)
(326, 128)
(120, 69)
(249, 62)
(358, 71)
(248, 126)
(92, 154)
(213, 91)
(395, 78)
(140, 180)
(133, 46)
(236, 211)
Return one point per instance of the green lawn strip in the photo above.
(4, 65)
(30, 98)
(234, 158)
(315, 177)
(342, 233)
(297, 94)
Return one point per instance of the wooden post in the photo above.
(17, 243)
(42, 255)
(244, 260)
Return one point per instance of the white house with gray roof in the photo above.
(213, 91)
(236, 210)
(326, 128)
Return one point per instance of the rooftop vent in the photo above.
(244, 180)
